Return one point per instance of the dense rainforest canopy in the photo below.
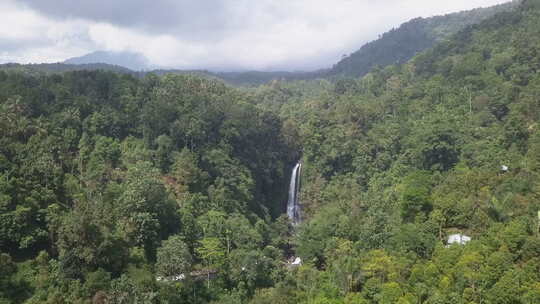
(171, 189)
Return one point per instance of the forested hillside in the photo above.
(399, 160)
(399, 45)
(98, 168)
(171, 189)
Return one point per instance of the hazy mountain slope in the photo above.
(396, 46)
(130, 60)
(252, 78)
(401, 44)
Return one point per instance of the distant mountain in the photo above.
(401, 44)
(394, 47)
(131, 60)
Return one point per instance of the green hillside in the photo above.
(399, 45)
(396, 162)
(172, 189)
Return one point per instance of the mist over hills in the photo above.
(131, 60)
(393, 47)
(401, 44)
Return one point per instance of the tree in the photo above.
(390, 293)
(146, 213)
(251, 269)
(7, 269)
(163, 153)
(173, 257)
(86, 242)
(124, 291)
(415, 198)
(188, 177)
(211, 251)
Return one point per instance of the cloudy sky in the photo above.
(213, 34)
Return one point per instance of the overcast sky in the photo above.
(214, 34)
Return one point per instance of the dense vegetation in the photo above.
(98, 168)
(109, 182)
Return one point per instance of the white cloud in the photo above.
(27, 36)
(263, 34)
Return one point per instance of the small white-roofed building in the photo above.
(458, 238)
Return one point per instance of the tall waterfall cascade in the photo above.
(293, 205)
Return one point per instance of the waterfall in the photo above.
(293, 207)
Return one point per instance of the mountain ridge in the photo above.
(399, 45)
(393, 47)
(128, 59)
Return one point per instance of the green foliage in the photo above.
(415, 198)
(173, 257)
(401, 44)
(108, 181)
(99, 168)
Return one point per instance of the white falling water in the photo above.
(293, 207)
